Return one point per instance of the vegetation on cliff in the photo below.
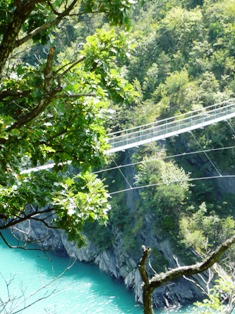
(183, 60)
(56, 89)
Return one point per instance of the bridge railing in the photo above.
(177, 124)
(163, 128)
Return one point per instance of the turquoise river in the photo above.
(25, 277)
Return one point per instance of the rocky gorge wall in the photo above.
(115, 261)
(120, 259)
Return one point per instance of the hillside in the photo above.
(176, 56)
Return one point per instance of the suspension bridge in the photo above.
(165, 128)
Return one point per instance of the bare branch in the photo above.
(193, 280)
(163, 278)
(151, 267)
(42, 220)
(22, 247)
(142, 268)
(19, 303)
(149, 285)
(25, 217)
(38, 241)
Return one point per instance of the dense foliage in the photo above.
(53, 104)
(183, 60)
(55, 91)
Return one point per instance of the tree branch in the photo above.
(74, 95)
(195, 282)
(24, 247)
(47, 25)
(45, 101)
(160, 279)
(42, 220)
(52, 8)
(46, 294)
(82, 13)
(8, 43)
(142, 263)
(70, 67)
(10, 93)
(149, 285)
(25, 217)
(48, 71)
(17, 304)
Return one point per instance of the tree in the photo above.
(54, 109)
(150, 284)
(220, 298)
(165, 198)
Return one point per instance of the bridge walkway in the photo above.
(163, 129)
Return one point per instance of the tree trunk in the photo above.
(12, 30)
(150, 284)
(147, 300)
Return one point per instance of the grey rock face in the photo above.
(119, 261)
(39, 234)
(114, 261)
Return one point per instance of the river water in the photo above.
(26, 276)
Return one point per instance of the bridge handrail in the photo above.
(203, 109)
(164, 128)
(157, 124)
(189, 121)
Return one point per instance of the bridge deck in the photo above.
(164, 128)
(170, 127)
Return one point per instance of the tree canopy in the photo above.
(53, 109)
(55, 89)
(183, 60)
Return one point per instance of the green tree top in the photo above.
(54, 110)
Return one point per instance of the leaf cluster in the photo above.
(53, 110)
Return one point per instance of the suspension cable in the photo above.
(171, 182)
(216, 169)
(166, 157)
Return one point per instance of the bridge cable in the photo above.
(216, 169)
(169, 182)
(48, 166)
(122, 174)
(166, 157)
(231, 127)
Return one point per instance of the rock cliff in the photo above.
(115, 261)
(128, 230)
